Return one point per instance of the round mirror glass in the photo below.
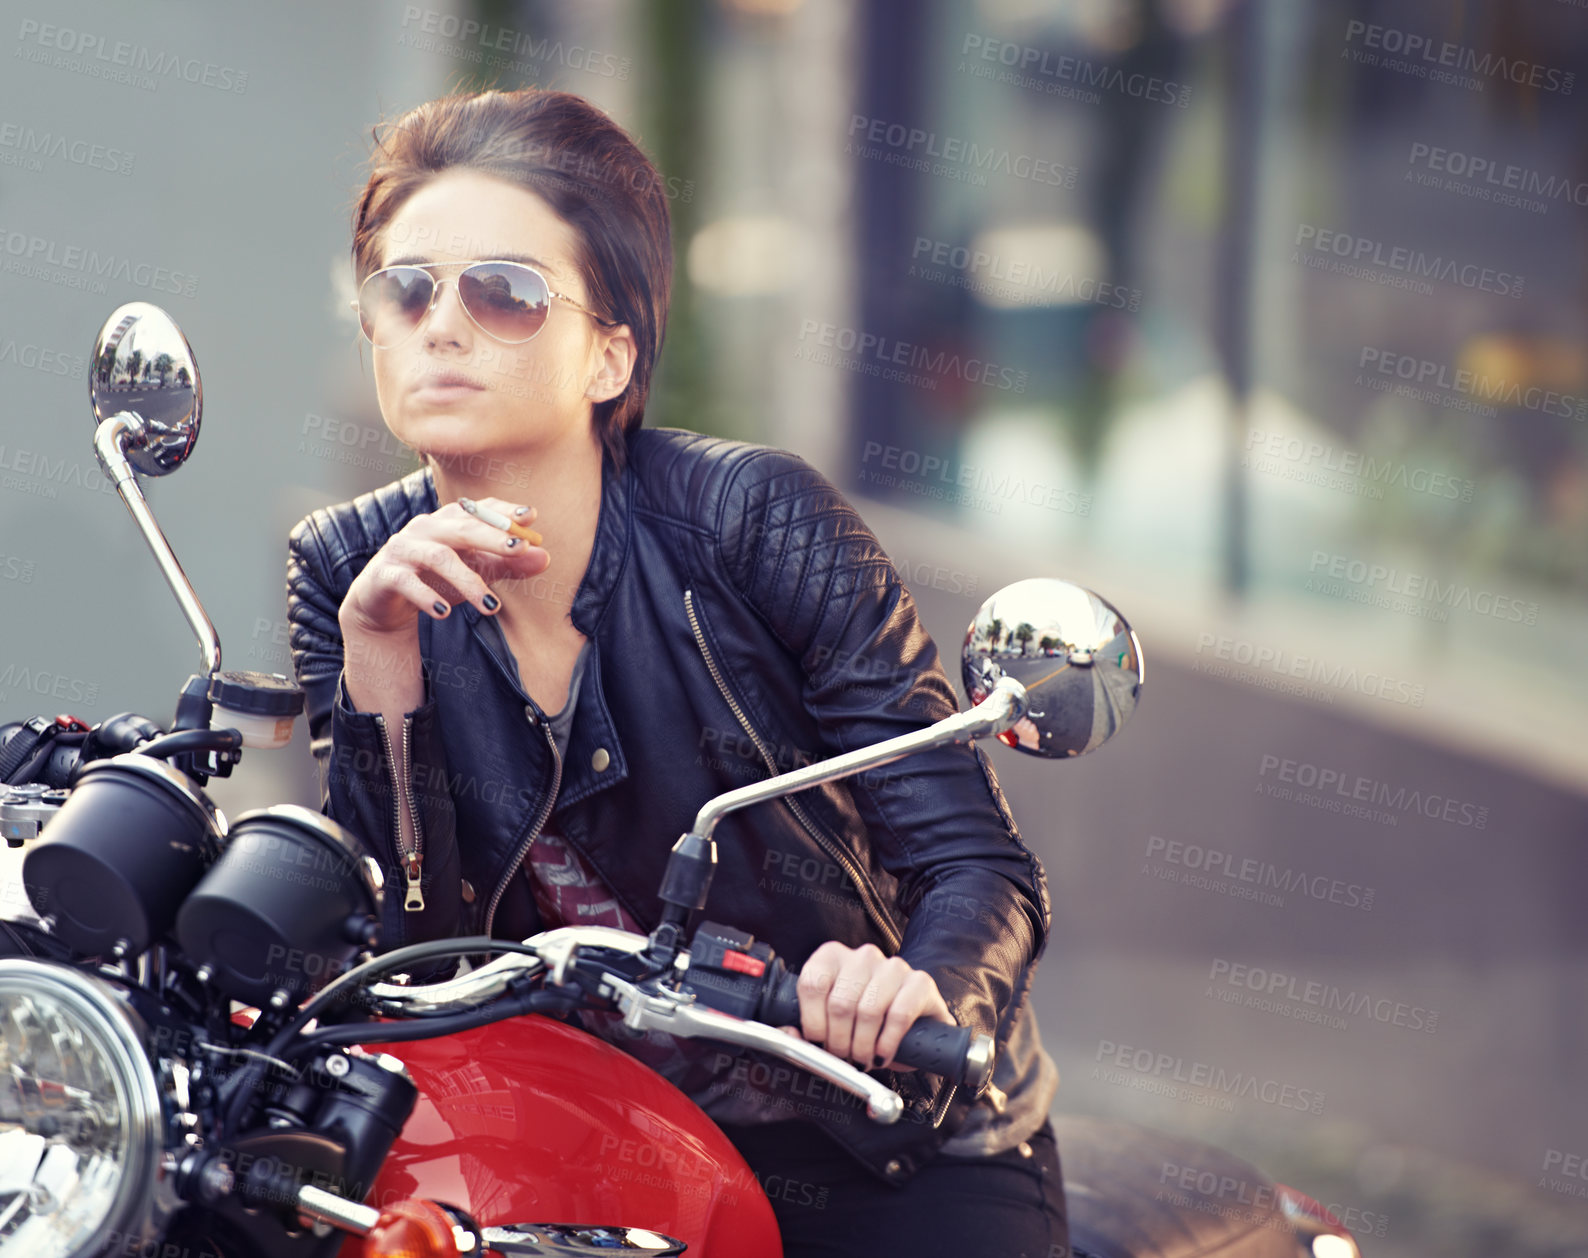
(1077, 657)
(143, 366)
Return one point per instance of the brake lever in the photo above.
(559, 949)
(651, 1007)
(678, 1013)
(556, 952)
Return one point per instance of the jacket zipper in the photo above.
(533, 833)
(412, 862)
(835, 850)
(534, 830)
(944, 1098)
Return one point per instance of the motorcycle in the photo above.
(202, 1053)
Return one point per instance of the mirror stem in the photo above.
(108, 440)
(685, 884)
(687, 878)
(999, 711)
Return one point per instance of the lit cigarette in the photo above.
(499, 521)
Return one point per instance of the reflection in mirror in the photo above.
(548, 1240)
(144, 366)
(1077, 657)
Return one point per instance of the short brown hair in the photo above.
(585, 167)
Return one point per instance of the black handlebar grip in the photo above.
(954, 1052)
(780, 1003)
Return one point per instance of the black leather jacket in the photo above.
(743, 619)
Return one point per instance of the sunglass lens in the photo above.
(507, 300)
(392, 302)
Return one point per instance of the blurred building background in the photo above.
(1265, 320)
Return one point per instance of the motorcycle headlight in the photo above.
(80, 1118)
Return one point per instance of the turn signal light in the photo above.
(412, 1229)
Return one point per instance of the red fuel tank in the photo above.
(533, 1121)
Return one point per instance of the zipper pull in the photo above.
(414, 900)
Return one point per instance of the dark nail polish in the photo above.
(520, 510)
(876, 1062)
(491, 602)
(512, 542)
(441, 608)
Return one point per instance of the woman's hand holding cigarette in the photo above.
(429, 566)
(437, 561)
(510, 525)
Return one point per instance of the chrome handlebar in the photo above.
(656, 1007)
(644, 1009)
(554, 948)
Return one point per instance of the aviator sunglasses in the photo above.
(507, 300)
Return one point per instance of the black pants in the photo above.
(828, 1206)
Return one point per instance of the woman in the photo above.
(521, 730)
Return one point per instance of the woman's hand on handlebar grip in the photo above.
(858, 1003)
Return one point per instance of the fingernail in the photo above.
(441, 608)
(876, 1062)
(491, 602)
(520, 510)
(512, 542)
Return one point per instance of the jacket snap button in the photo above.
(894, 1166)
(1025, 1149)
(468, 892)
(600, 760)
(529, 711)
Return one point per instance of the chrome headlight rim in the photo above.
(96, 1010)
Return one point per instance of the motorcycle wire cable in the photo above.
(191, 740)
(433, 1026)
(39, 757)
(28, 941)
(246, 1079)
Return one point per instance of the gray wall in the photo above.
(246, 193)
